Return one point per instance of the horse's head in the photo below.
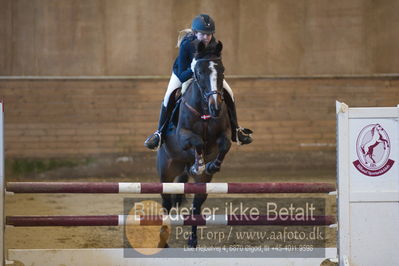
(208, 72)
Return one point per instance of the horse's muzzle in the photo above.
(215, 112)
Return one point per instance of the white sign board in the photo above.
(368, 185)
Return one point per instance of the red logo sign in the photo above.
(373, 148)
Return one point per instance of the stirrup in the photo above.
(243, 136)
(150, 141)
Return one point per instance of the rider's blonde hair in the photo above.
(182, 34)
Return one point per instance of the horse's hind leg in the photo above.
(167, 203)
(179, 198)
(167, 176)
(167, 171)
(183, 178)
(199, 199)
(163, 172)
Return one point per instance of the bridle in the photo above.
(196, 80)
(208, 94)
(204, 102)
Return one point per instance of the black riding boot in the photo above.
(243, 134)
(153, 142)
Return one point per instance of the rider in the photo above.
(202, 29)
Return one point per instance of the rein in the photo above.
(193, 110)
(205, 119)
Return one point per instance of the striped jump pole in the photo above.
(148, 220)
(168, 188)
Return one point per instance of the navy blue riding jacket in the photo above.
(182, 64)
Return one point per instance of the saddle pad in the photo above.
(185, 85)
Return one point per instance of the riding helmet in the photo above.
(203, 23)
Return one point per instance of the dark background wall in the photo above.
(297, 57)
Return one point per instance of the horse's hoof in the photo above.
(192, 242)
(212, 168)
(193, 171)
(163, 237)
(197, 170)
(162, 245)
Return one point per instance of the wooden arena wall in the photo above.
(138, 37)
(47, 118)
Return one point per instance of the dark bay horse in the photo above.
(197, 145)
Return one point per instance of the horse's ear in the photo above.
(200, 47)
(219, 48)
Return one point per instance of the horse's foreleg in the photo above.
(199, 166)
(224, 145)
(190, 140)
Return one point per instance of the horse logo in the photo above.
(373, 148)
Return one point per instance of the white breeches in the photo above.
(175, 83)
(228, 89)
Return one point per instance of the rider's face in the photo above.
(204, 37)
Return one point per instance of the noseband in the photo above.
(209, 94)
